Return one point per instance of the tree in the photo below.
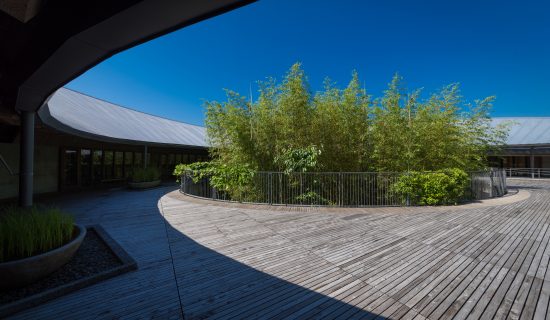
(349, 131)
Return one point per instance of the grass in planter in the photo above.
(145, 174)
(28, 232)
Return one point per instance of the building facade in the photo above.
(527, 149)
(83, 142)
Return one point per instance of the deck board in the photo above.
(210, 260)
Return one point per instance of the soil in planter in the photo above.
(91, 258)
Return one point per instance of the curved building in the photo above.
(84, 142)
(46, 44)
(527, 146)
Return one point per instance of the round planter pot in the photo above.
(18, 273)
(144, 185)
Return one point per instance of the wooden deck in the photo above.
(210, 261)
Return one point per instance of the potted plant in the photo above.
(143, 178)
(35, 242)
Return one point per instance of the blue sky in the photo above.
(499, 48)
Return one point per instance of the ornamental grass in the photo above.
(26, 232)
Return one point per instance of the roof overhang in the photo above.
(66, 38)
(87, 117)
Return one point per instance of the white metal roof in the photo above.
(527, 130)
(89, 117)
(86, 116)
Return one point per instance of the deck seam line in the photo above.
(171, 258)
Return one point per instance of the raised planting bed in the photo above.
(144, 185)
(98, 258)
(18, 273)
(144, 178)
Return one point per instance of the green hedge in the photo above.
(441, 187)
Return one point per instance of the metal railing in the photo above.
(533, 173)
(341, 189)
(7, 167)
(487, 184)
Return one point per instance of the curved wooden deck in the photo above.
(223, 261)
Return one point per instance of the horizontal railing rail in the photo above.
(341, 189)
(533, 173)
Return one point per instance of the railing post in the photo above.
(270, 177)
(301, 188)
(340, 189)
(280, 178)
(492, 183)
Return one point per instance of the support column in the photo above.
(145, 156)
(532, 164)
(26, 159)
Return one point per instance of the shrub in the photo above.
(441, 187)
(298, 159)
(28, 232)
(198, 170)
(235, 180)
(145, 174)
(312, 197)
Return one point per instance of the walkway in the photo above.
(478, 261)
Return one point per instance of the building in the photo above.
(528, 144)
(83, 142)
(46, 44)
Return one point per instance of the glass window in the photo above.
(138, 160)
(154, 160)
(86, 167)
(119, 157)
(70, 172)
(128, 158)
(171, 159)
(162, 160)
(128, 162)
(108, 165)
(149, 158)
(178, 158)
(97, 169)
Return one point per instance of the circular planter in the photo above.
(144, 185)
(18, 273)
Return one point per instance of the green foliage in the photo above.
(298, 160)
(441, 132)
(287, 116)
(313, 197)
(198, 170)
(442, 187)
(290, 129)
(236, 180)
(145, 174)
(352, 132)
(28, 232)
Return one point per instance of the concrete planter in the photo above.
(144, 185)
(21, 272)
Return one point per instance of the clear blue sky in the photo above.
(497, 48)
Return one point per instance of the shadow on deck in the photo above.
(179, 276)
